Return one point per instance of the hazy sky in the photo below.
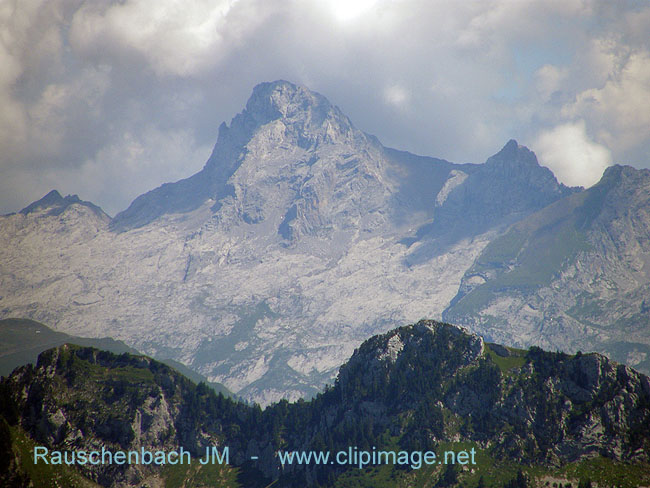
(109, 99)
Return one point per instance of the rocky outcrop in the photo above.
(82, 399)
(283, 131)
(55, 205)
(548, 408)
(509, 185)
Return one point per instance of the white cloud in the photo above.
(178, 37)
(492, 26)
(16, 22)
(549, 80)
(571, 155)
(137, 163)
(396, 95)
(619, 110)
(131, 165)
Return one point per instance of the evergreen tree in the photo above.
(519, 481)
(449, 476)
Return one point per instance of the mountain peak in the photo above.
(279, 115)
(307, 118)
(296, 105)
(52, 198)
(281, 96)
(508, 186)
(622, 170)
(57, 204)
(519, 164)
(511, 145)
(513, 155)
(392, 345)
(627, 179)
(443, 346)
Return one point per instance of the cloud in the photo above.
(396, 95)
(131, 162)
(175, 37)
(571, 155)
(549, 80)
(15, 21)
(347, 10)
(619, 111)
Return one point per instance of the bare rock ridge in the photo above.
(304, 119)
(509, 185)
(300, 237)
(56, 204)
(573, 276)
(292, 117)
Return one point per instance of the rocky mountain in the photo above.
(301, 237)
(508, 186)
(55, 205)
(575, 275)
(429, 386)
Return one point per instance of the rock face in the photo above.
(83, 399)
(573, 276)
(509, 185)
(55, 204)
(536, 407)
(265, 144)
(301, 237)
(412, 388)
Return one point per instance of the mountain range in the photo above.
(533, 416)
(302, 236)
(575, 272)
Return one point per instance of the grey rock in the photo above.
(573, 276)
(297, 240)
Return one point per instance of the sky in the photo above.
(109, 99)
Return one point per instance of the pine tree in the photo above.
(481, 483)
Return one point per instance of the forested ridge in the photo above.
(428, 386)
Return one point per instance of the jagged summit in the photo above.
(52, 198)
(278, 115)
(57, 204)
(513, 154)
(305, 116)
(286, 156)
(623, 174)
(506, 187)
(518, 163)
(284, 100)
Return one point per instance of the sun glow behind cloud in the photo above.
(348, 10)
